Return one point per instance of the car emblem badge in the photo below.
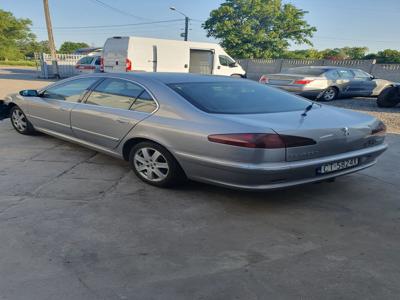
(346, 131)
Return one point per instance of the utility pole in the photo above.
(185, 35)
(186, 28)
(52, 45)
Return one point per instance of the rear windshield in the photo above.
(87, 60)
(238, 97)
(305, 71)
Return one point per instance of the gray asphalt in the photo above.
(75, 224)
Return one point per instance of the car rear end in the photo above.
(89, 64)
(275, 140)
(115, 55)
(304, 81)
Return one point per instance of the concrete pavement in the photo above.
(75, 224)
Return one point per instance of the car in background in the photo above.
(216, 129)
(335, 82)
(389, 97)
(89, 64)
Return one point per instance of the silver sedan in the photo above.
(334, 81)
(225, 131)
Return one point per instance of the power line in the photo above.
(113, 25)
(118, 10)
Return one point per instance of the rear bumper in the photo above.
(269, 176)
(299, 90)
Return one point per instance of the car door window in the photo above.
(361, 75)
(332, 75)
(98, 61)
(115, 93)
(346, 74)
(70, 91)
(225, 61)
(144, 103)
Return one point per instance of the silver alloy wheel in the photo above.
(19, 120)
(151, 164)
(330, 94)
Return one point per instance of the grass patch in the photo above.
(25, 63)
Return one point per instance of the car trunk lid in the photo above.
(334, 130)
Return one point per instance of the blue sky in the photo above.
(370, 23)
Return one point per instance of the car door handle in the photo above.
(123, 121)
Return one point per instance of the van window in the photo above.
(115, 93)
(225, 61)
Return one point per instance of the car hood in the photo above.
(334, 130)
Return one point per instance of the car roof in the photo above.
(167, 78)
(327, 68)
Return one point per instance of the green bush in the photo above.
(27, 63)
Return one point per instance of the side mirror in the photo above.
(372, 77)
(29, 93)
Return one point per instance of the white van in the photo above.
(124, 54)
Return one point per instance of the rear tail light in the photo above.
(102, 64)
(128, 65)
(303, 81)
(261, 140)
(77, 66)
(379, 130)
(263, 79)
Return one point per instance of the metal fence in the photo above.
(254, 67)
(257, 67)
(65, 62)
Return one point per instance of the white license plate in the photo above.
(337, 166)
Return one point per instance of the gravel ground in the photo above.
(390, 116)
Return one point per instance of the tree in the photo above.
(355, 52)
(29, 49)
(258, 28)
(70, 47)
(388, 56)
(13, 33)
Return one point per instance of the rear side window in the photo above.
(333, 75)
(115, 93)
(70, 91)
(144, 103)
(238, 97)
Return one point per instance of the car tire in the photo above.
(155, 165)
(389, 97)
(330, 94)
(20, 122)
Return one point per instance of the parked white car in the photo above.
(89, 64)
(124, 54)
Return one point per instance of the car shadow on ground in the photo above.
(362, 104)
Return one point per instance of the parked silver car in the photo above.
(89, 64)
(336, 81)
(225, 131)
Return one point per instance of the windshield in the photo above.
(238, 97)
(305, 71)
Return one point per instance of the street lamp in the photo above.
(185, 35)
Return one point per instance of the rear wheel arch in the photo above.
(129, 144)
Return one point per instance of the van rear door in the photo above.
(115, 53)
(201, 61)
